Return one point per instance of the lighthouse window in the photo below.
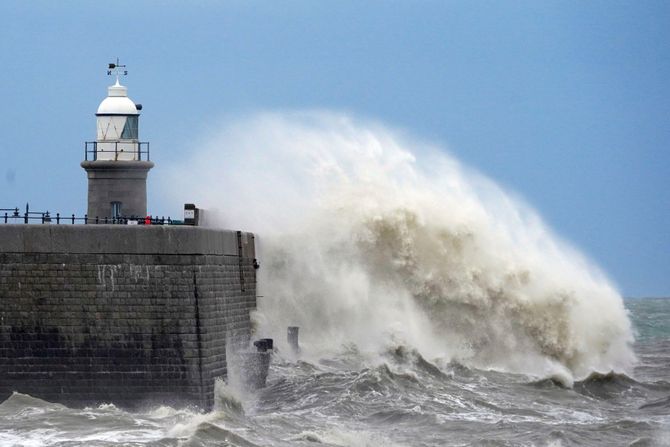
(116, 210)
(130, 128)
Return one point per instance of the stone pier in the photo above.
(131, 315)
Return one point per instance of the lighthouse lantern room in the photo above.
(117, 163)
(117, 118)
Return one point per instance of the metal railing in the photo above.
(14, 216)
(91, 150)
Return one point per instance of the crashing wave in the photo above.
(373, 238)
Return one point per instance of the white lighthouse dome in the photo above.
(117, 102)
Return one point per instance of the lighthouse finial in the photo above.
(117, 69)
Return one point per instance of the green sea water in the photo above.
(650, 317)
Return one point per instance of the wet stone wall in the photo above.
(134, 324)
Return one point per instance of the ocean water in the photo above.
(404, 400)
(435, 308)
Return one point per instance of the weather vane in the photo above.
(117, 69)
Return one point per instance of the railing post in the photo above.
(5, 217)
(57, 218)
(25, 220)
(85, 219)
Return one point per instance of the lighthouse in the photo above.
(117, 162)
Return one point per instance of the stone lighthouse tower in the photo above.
(117, 163)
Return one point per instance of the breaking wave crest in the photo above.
(371, 238)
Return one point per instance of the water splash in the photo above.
(373, 238)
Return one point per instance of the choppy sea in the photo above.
(405, 400)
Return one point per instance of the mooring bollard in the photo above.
(263, 345)
(255, 366)
(292, 338)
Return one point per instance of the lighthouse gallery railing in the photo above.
(91, 150)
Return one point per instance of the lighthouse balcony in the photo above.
(116, 150)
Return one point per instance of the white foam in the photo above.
(372, 237)
(341, 436)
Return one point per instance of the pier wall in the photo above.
(122, 314)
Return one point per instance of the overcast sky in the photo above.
(565, 103)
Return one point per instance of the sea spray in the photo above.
(369, 237)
